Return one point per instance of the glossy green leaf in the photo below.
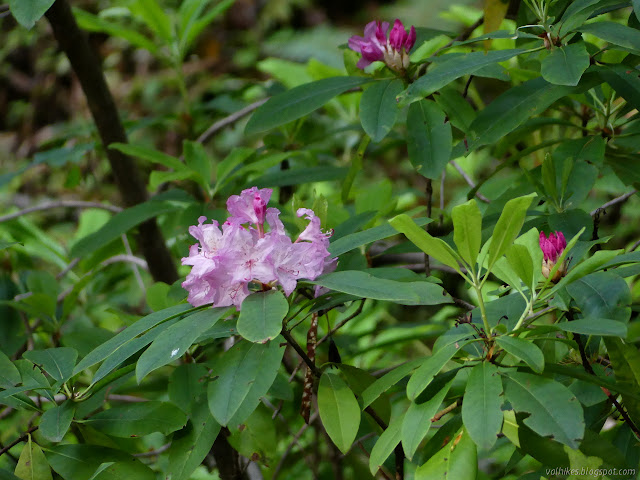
(565, 65)
(173, 342)
(339, 411)
(121, 223)
(261, 315)
(595, 326)
(623, 80)
(467, 230)
(138, 419)
(625, 359)
(432, 246)
(553, 409)
(28, 12)
(388, 380)
(525, 350)
(508, 227)
(431, 366)
(514, 107)
(615, 33)
(429, 138)
(379, 109)
(244, 375)
(9, 374)
(417, 421)
(459, 111)
(56, 421)
(451, 67)
(576, 14)
(112, 345)
(602, 295)
(81, 462)
(32, 464)
(365, 285)
(154, 16)
(198, 161)
(386, 444)
(6, 475)
(186, 385)
(299, 101)
(457, 459)
(481, 411)
(192, 444)
(57, 362)
(354, 240)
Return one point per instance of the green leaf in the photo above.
(56, 421)
(514, 107)
(615, 33)
(467, 230)
(554, 410)
(525, 350)
(417, 421)
(576, 14)
(244, 375)
(565, 65)
(339, 411)
(299, 101)
(94, 23)
(508, 227)
(6, 475)
(481, 411)
(197, 160)
(57, 362)
(154, 16)
(602, 295)
(9, 374)
(521, 262)
(28, 12)
(435, 247)
(430, 367)
(458, 459)
(379, 109)
(138, 419)
(185, 385)
(429, 138)
(121, 223)
(623, 80)
(194, 19)
(625, 359)
(354, 240)
(385, 445)
(459, 111)
(388, 380)
(595, 326)
(191, 445)
(173, 342)
(451, 67)
(82, 462)
(32, 464)
(114, 344)
(261, 316)
(149, 154)
(365, 285)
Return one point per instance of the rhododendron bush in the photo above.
(374, 247)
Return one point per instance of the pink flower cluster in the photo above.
(552, 248)
(225, 261)
(375, 46)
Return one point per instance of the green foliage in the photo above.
(441, 342)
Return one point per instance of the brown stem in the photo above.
(446, 410)
(86, 66)
(21, 438)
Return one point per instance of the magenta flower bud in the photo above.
(552, 249)
(375, 46)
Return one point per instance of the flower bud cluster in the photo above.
(225, 261)
(375, 46)
(552, 249)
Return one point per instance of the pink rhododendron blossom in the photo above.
(225, 261)
(375, 46)
(552, 248)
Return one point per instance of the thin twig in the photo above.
(21, 438)
(153, 453)
(343, 322)
(470, 182)
(126, 258)
(134, 265)
(234, 117)
(59, 204)
(446, 410)
(615, 201)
